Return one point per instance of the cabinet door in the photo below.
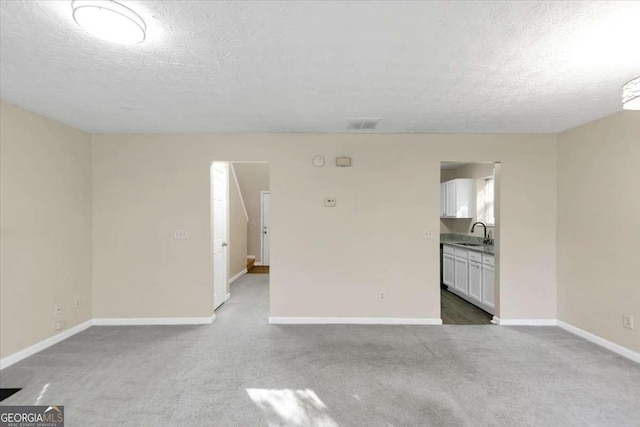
(443, 199)
(447, 269)
(475, 280)
(488, 286)
(451, 198)
(461, 275)
(465, 198)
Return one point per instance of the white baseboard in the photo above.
(29, 351)
(274, 320)
(259, 264)
(228, 297)
(155, 321)
(524, 322)
(616, 348)
(233, 279)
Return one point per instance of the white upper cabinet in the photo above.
(457, 199)
(443, 199)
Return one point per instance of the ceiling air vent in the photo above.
(362, 124)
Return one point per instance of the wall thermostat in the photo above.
(343, 161)
(318, 161)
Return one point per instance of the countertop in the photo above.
(455, 241)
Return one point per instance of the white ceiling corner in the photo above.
(446, 67)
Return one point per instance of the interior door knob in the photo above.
(224, 244)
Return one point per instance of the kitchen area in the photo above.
(467, 245)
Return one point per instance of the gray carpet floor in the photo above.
(240, 371)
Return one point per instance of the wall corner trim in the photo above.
(233, 279)
(616, 348)
(48, 342)
(287, 320)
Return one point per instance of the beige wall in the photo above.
(325, 261)
(253, 178)
(599, 227)
(145, 186)
(45, 225)
(463, 225)
(237, 230)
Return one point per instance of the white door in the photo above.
(448, 269)
(266, 232)
(488, 289)
(475, 281)
(461, 273)
(451, 198)
(219, 179)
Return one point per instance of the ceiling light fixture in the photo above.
(631, 94)
(109, 20)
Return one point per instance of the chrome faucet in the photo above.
(485, 240)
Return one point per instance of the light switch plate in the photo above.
(627, 321)
(330, 202)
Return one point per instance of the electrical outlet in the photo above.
(59, 325)
(57, 309)
(428, 234)
(381, 296)
(180, 234)
(627, 321)
(77, 303)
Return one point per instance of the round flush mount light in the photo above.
(109, 20)
(318, 161)
(631, 94)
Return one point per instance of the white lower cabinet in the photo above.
(461, 275)
(475, 280)
(470, 275)
(448, 269)
(488, 286)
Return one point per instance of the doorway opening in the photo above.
(240, 224)
(469, 242)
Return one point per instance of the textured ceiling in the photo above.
(294, 66)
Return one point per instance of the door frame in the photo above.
(262, 193)
(497, 194)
